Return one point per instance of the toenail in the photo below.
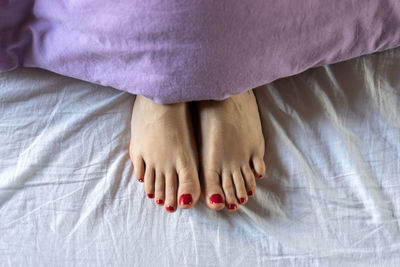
(150, 195)
(169, 208)
(259, 176)
(242, 200)
(185, 199)
(216, 198)
(141, 180)
(160, 201)
(232, 206)
(250, 193)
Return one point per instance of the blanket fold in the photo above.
(175, 51)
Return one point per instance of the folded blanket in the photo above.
(179, 50)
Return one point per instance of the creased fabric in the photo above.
(174, 51)
(330, 197)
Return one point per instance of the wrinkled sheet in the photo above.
(331, 196)
(179, 50)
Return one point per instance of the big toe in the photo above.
(188, 188)
(212, 191)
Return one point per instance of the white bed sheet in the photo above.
(331, 196)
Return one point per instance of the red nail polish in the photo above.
(242, 200)
(160, 201)
(259, 176)
(216, 198)
(169, 208)
(150, 195)
(250, 193)
(185, 199)
(141, 180)
(232, 206)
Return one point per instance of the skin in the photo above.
(226, 158)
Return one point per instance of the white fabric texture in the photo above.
(331, 195)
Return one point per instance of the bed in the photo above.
(331, 195)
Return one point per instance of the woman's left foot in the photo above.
(231, 149)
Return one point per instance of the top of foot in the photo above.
(231, 149)
(164, 154)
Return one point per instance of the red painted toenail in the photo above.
(242, 200)
(185, 199)
(250, 193)
(216, 198)
(169, 208)
(259, 176)
(232, 206)
(160, 201)
(150, 195)
(141, 180)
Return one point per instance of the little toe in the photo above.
(149, 179)
(249, 180)
(171, 186)
(240, 187)
(160, 190)
(229, 191)
(139, 168)
(259, 167)
(212, 191)
(188, 189)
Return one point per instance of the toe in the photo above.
(229, 191)
(240, 187)
(160, 190)
(249, 180)
(188, 188)
(212, 190)
(259, 166)
(171, 186)
(149, 178)
(139, 168)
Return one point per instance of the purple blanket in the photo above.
(181, 50)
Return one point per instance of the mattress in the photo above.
(331, 195)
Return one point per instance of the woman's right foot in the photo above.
(164, 154)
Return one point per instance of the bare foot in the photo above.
(164, 154)
(231, 149)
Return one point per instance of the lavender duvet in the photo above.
(174, 51)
